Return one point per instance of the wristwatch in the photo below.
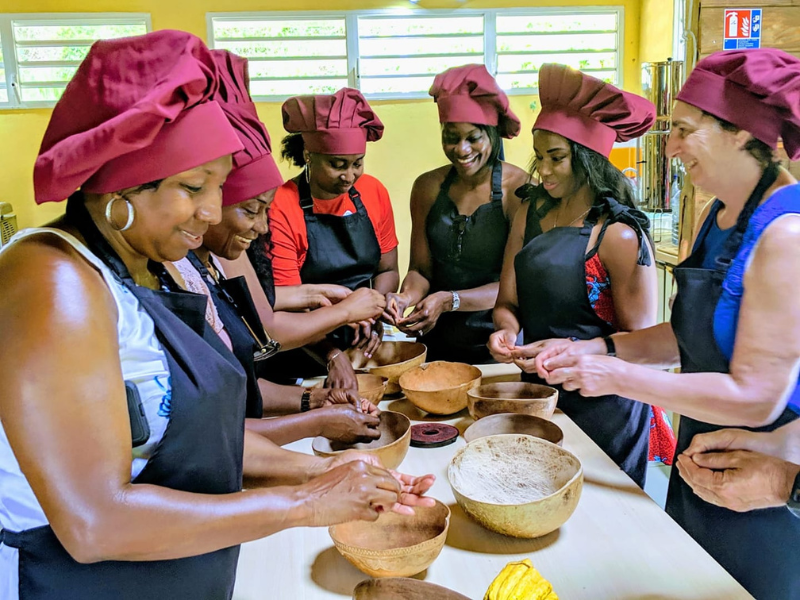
(456, 301)
(794, 498)
(611, 347)
(305, 401)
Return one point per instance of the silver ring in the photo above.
(375, 333)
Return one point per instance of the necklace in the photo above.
(580, 216)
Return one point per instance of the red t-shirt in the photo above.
(288, 228)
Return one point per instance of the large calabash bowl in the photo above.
(390, 360)
(516, 484)
(391, 448)
(394, 545)
(512, 397)
(440, 387)
(513, 423)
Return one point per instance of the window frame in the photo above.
(489, 35)
(7, 21)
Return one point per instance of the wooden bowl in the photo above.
(402, 588)
(512, 423)
(394, 545)
(391, 360)
(516, 484)
(512, 397)
(440, 387)
(391, 448)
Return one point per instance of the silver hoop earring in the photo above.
(308, 173)
(130, 209)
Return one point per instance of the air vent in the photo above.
(8, 223)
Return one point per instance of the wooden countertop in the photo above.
(617, 545)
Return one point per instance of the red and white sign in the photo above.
(742, 28)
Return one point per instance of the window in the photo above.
(288, 57)
(3, 85)
(584, 41)
(44, 51)
(399, 55)
(396, 54)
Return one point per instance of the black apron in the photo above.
(466, 252)
(759, 548)
(554, 303)
(341, 250)
(234, 303)
(201, 452)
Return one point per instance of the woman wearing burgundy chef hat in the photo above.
(333, 224)
(579, 261)
(735, 320)
(461, 215)
(122, 437)
(231, 310)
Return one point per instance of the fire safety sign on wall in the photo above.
(742, 28)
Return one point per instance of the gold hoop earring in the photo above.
(129, 208)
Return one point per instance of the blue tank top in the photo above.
(711, 239)
(726, 316)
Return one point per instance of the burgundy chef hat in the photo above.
(588, 111)
(469, 94)
(340, 123)
(757, 90)
(137, 110)
(254, 170)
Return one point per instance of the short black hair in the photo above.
(292, 147)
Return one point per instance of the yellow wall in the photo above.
(655, 30)
(409, 147)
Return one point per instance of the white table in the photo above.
(618, 544)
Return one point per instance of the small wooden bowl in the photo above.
(516, 484)
(440, 387)
(512, 423)
(391, 360)
(394, 545)
(391, 448)
(512, 397)
(402, 588)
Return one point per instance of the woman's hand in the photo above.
(591, 375)
(531, 357)
(325, 294)
(396, 306)
(363, 304)
(426, 313)
(322, 397)
(739, 480)
(502, 344)
(412, 488)
(369, 336)
(342, 423)
(351, 490)
(341, 373)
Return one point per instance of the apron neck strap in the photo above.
(497, 182)
(731, 247)
(307, 201)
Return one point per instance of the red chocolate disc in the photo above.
(433, 435)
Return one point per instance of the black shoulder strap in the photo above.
(497, 182)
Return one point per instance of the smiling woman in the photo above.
(461, 215)
(579, 261)
(333, 224)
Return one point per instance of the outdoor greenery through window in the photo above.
(393, 54)
(47, 50)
